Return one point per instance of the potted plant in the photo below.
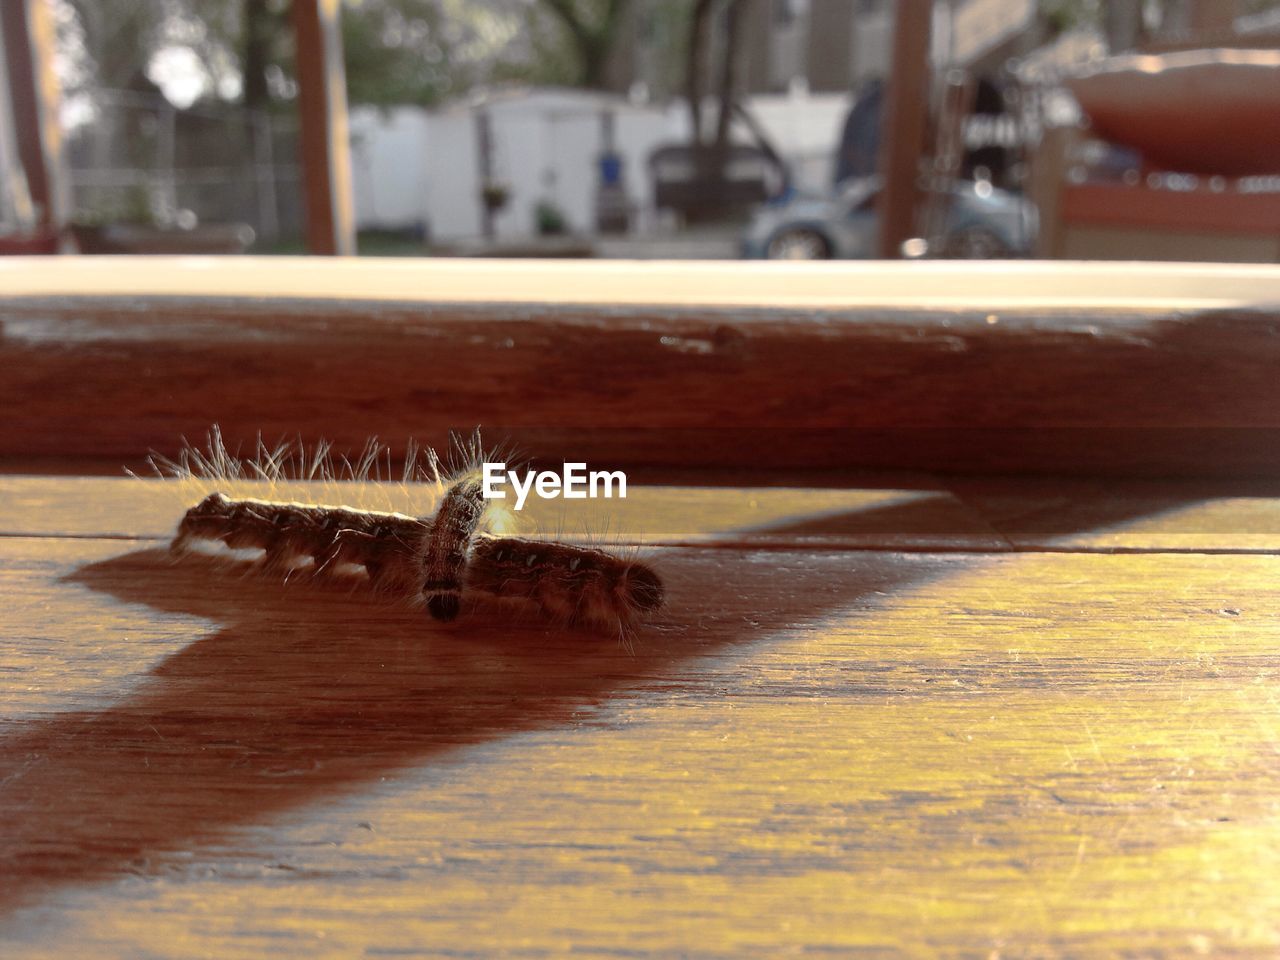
(495, 195)
(550, 219)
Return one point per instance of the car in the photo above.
(982, 222)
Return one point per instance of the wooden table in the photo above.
(897, 717)
(885, 712)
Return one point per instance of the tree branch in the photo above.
(567, 13)
(730, 70)
(698, 23)
(593, 42)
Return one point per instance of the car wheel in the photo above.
(798, 243)
(974, 243)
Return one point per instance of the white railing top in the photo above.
(957, 285)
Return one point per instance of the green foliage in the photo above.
(131, 204)
(110, 42)
(547, 58)
(592, 29)
(1060, 16)
(550, 219)
(396, 53)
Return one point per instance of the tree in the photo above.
(396, 53)
(593, 28)
(263, 23)
(116, 40)
(699, 25)
(711, 149)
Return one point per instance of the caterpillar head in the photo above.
(444, 606)
(640, 588)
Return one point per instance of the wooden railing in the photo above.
(1016, 367)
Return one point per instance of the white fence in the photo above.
(132, 155)
(417, 167)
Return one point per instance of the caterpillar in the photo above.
(429, 559)
(445, 548)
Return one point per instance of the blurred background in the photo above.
(784, 129)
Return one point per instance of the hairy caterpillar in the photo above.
(445, 549)
(430, 558)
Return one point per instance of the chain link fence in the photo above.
(134, 157)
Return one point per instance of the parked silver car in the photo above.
(982, 222)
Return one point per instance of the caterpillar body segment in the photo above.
(289, 534)
(572, 584)
(388, 551)
(445, 549)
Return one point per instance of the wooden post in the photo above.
(902, 127)
(1050, 162)
(28, 53)
(322, 107)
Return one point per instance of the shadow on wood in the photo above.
(310, 690)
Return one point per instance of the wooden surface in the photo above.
(1029, 368)
(886, 717)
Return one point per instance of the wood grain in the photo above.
(751, 368)
(811, 752)
(1127, 514)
